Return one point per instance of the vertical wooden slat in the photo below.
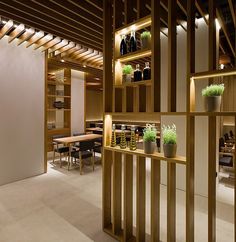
(46, 136)
(140, 200)
(190, 134)
(172, 6)
(130, 15)
(212, 132)
(116, 192)
(106, 183)
(171, 202)
(107, 55)
(128, 197)
(234, 183)
(155, 200)
(212, 179)
(156, 57)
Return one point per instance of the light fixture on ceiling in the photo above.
(84, 66)
(15, 25)
(93, 84)
(4, 21)
(62, 60)
(96, 78)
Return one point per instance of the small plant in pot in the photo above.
(169, 141)
(127, 72)
(149, 139)
(212, 97)
(146, 40)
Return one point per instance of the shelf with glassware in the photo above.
(58, 104)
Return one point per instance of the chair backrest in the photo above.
(86, 145)
(77, 134)
(226, 136)
(221, 143)
(231, 133)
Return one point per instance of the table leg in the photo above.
(69, 160)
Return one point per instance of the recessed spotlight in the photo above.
(62, 60)
(84, 66)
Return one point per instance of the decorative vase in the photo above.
(146, 43)
(169, 150)
(123, 138)
(127, 77)
(212, 104)
(113, 136)
(149, 147)
(133, 144)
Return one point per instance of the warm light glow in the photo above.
(107, 129)
(93, 84)
(84, 66)
(4, 21)
(222, 66)
(192, 95)
(218, 26)
(135, 56)
(62, 60)
(15, 25)
(228, 73)
(96, 78)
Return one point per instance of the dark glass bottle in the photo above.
(137, 74)
(147, 72)
(123, 46)
(132, 42)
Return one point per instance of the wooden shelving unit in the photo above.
(58, 119)
(142, 102)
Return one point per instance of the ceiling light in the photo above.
(62, 60)
(96, 78)
(84, 66)
(93, 84)
(15, 25)
(4, 21)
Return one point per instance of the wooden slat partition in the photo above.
(140, 198)
(116, 192)
(235, 184)
(128, 197)
(155, 200)
(107, 164)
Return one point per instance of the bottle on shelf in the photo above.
(137, 74)
(123, 45)
(132, 42)
(147, 72)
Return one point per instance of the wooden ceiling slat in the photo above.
(85, 6)
(51, 43)
(43, 15)
(35, 38)
(66, 17)
(93, 59)
(27, 35)
(16, 32)
(201, 10)
(87, 57)
(88, 52)
(232, 11)
(84, 16)
(6, 28)
(35, 21)
(224, 28)
(68, 52)
(76, 53)
(43, 41)
(58, 46)
(70, 46)
(97, 4)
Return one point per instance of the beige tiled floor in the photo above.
(63, 206)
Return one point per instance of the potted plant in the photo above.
(212, 97)
(146, 40)
(149, 139)
(169, 141)
(127, 72)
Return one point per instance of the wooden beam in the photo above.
(156, 57)
(27, 35)
(201, 10)
(51, 43)
(63, 43)
(16, 32)
(224, 28)
(232, 11)
(6, 28)
(43, 41)
(172, 55)
(107, 55)
(37, 36)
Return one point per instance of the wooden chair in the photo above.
(85, 151)
(57, 148)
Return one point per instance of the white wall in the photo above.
(77, 102)
(22, 112)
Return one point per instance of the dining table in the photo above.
(69, 141)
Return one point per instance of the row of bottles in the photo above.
(128, 46)
(146, 75)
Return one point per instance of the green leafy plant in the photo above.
(145, 34)
(150, 133)
(127, 69)
(169, 134)
(213, 90)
